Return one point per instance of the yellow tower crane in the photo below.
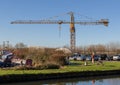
(71, 22)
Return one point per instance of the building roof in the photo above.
(65, 50)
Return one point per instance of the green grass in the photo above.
(75, 66)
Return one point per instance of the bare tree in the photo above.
(20, 45)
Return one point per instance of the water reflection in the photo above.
(93, 82)
(111, 80)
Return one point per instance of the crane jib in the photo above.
(62, 22)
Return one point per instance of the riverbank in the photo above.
(75, 69)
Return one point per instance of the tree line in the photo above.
(49, 56)
(110, 49)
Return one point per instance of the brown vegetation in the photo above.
(110, 49)
(43, 58)
(48, 57)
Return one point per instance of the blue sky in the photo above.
(48, 34)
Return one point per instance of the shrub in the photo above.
(58, 58)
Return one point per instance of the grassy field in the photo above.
(75, 66)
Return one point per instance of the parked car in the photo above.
(82, 58)
(96, 57)
(74, 56)
(111, 57)
(1, 64)
(103, 57)
(116, 57)
(77, 56)
(88, 58)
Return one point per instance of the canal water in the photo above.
(109, 80)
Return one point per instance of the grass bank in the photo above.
(75, 69)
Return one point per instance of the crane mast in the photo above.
(72, 23)
(72, 32)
